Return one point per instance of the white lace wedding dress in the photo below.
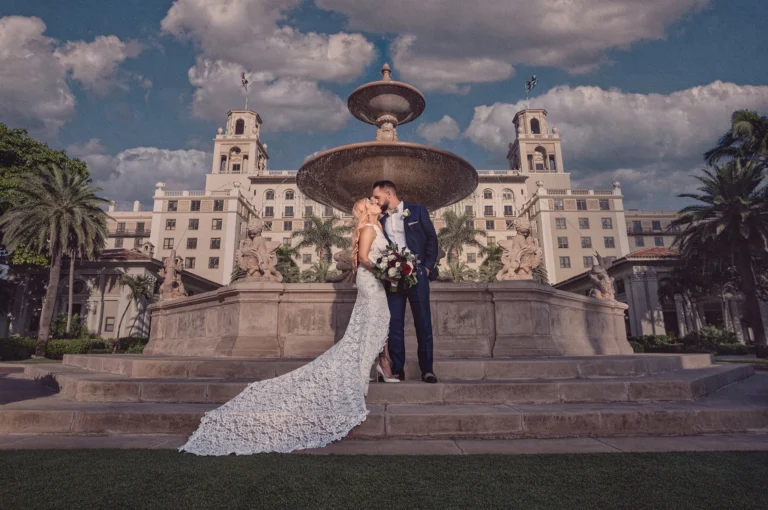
(314, 405)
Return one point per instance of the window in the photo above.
(552, 163)
(137, 242)
(216, 224)
(194, 224)
(609, 242)
(490, 224)
(565, 262)
(584, 223)
(287, 226)
(488, 210)
(535, 128)
(168, 243)
(189, 262)
(488, 194)
(239, 127)
(605, 205)
(195, 205)
(235, 168)
(656, 225)
(607, 223)
(289, 195)
(508, 194)
(170, 224)
(288, 211)
(637, 226)
(468, 209)
(121, 227)
(307, 224)
(308, 210)
(559, 206)
(270, 195)
(640, 241)
(119, 242)
(223, 164)
(268, 225)
(306, 258)
(140, 227)
(619, 286)
(586, 242)
(588, 261)
(509, 210)
(218, 205)
(173, 205)
(471, 258)
(192, 243)
(658, 241)
(510, 224)
(213, 263)
(562, 242)
(286, 241)
(109, 324)
(470, 224)
(581, 205)
(327, 211)
(215, 243)
(560, 224)
(269, 211)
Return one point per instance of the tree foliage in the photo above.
(323, 235)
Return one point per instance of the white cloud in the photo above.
(33, 86)
(246, 32)
(284, 103)
(94, 64)
(132, 173)
(652, 140)
(444, 128)
(446, 39)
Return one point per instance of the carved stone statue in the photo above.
(172, 286)
(344, 267)
(257, 256)
(521, 254)
(602, 284)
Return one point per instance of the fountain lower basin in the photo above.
(424, 175)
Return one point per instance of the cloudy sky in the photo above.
(638, 89)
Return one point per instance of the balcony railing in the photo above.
(129, 232)
(650, 231)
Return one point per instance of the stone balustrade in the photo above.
(270, 320)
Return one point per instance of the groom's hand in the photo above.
(427, 270)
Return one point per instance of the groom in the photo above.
(409, 225)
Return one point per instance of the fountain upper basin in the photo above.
(423, 175)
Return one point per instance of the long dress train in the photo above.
(315, 404)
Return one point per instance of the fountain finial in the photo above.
(386, 72)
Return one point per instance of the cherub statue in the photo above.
(602, 284)
(257, 256)
(172, 286)
(521, 254)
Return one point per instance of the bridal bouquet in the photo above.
(396, 266)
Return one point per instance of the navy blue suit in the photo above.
(421, 239)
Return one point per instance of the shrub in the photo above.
(58, 348)
(136, 348)
(126, 342)
(637, 347)
(17, 348)
(733, 349)
(651, 340)
(77, 328)
(711, 335)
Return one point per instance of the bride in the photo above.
(324, 400)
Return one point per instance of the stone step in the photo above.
(741, 407)
(154, 367)
(82, 385)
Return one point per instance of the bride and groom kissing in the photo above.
(324, 400)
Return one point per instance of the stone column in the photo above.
(680, 309)
(634, 322)
(654, 303)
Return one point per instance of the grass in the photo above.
(31, 361)
(760, 363)
(113, 479)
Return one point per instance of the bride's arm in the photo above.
(367, 237)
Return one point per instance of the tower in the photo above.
(238, 150)
(536, 148)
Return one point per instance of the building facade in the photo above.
(205, 227)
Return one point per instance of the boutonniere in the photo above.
(406, 213)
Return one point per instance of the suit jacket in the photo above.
(420, 236)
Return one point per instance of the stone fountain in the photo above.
(424, 175)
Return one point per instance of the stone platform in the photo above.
(541, 397)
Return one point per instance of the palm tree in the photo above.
(540, 275)
(318, 273)
(46, 208)
(141, 289)
(323, 235)
(748, 138)
(286, 265)
(491, 266)
(459, 231)
(731, 219)
(461, 272)
(75, 249)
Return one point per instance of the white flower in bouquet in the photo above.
(392, 272)
(397, 264)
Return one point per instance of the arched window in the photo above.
(535, 128)
(223, 165)
(289, 195)
(239, 127)
(539, 159)
(488, 194)
(234, 151)
(508, 194)
(270, 195)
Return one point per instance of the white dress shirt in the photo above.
(395, 227)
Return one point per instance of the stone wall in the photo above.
(269, 320)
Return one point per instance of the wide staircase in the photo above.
(477, 397)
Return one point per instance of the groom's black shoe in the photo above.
(401, 375)
(429, 378)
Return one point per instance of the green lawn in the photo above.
(760, 363)
(144, 479)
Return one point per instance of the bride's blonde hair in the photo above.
(363, 217)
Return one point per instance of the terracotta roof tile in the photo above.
(653, 253)
(121, 254)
